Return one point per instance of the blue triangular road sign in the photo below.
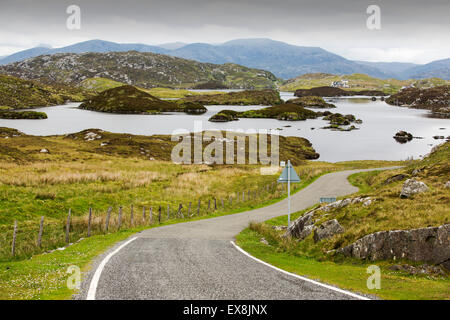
(292, 174)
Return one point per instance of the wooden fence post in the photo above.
(131, 216)
(13, 246)
(223, 206)
(198, 207)
(180, 213)
(89, 222)
(243, 196)
(143, 215)
(150, 213)
(159, 214)
(209, 205)
(68, 226)
(168, 211)
(215, 204)
(189, 210)
(41, 230)
(108, 216)
(231, 201)
(120, 217)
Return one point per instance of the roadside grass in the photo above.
(349, 275)
(387, 212)
(50, 189)
(43, 276)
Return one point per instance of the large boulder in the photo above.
(425, 244)
(327, 230)
(411, 187)
(298, 226)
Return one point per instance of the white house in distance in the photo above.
(340, 84)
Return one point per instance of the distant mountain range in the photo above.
(284, 60)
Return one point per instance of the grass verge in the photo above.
(349, 275)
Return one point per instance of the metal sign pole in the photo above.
(289, 193)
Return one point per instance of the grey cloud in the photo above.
(336, 25)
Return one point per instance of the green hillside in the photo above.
(16, 93)
(357, 82)
(142, 69)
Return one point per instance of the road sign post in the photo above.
(289, 175)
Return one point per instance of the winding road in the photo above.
(197, 260)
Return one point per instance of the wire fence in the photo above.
(23, 240)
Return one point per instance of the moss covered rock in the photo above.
(222, 117)
(192, 107)
(22, 115)
(312, 102)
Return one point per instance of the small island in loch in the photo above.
(436, 99)
(241, 98)
(130, 100)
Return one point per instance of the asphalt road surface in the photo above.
(197, 260)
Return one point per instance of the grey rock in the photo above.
(264, 241)
(279, 228)
(395, 178)
(411, 187)
(297, 227)
(306, 232)
(447, 184)
(44, 151)
(327, 230)
(422, 269)
(91, 136)
(430, 245)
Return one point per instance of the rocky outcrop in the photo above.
(422, 269)
(327, 230)
(395, 178)
(345, 202)
(297, 228)
(430, 245)
(303, 226)
(411, 187)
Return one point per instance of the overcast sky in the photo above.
(411, 30)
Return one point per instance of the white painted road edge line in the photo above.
(354, 295)
(94, 282)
